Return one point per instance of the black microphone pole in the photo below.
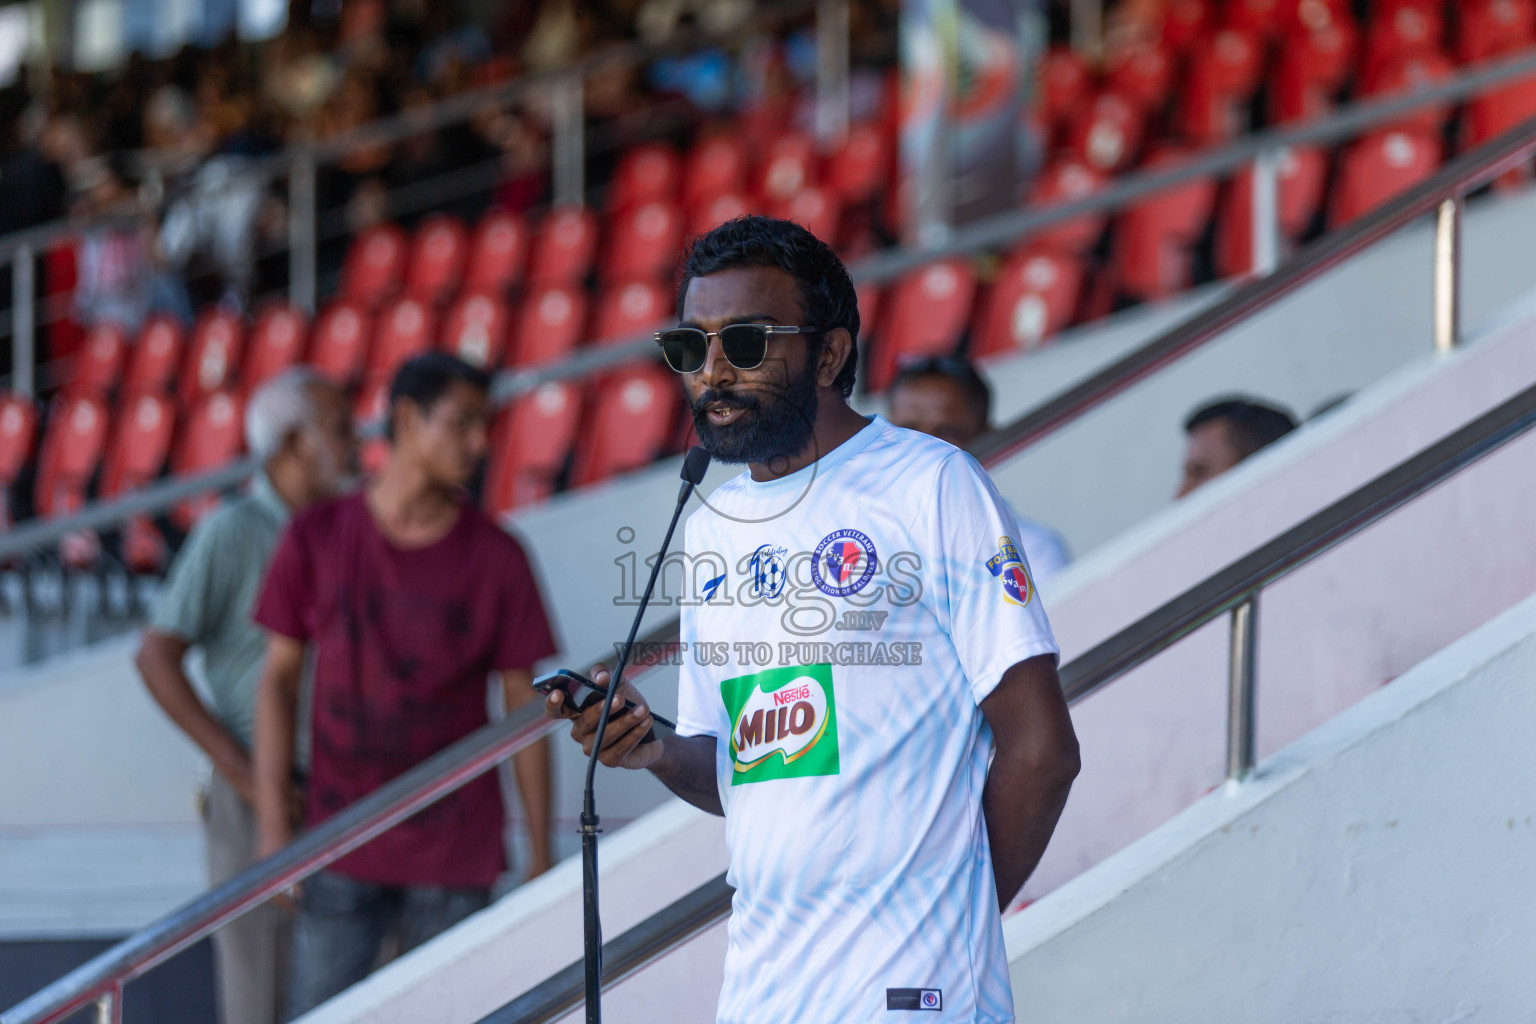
(694, 466)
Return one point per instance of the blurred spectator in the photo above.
(115, 280)
(300, 428)
(1225, 433)
(32, 184)
(411, 599)
(947, 398)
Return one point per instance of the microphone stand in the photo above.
(694, 467)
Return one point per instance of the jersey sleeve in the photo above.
(191, 600)
(525, 636)
(698, 697)
(288, 593)
(978, 579)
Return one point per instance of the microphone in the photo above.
(695, 464)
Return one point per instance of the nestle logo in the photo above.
(790, 696)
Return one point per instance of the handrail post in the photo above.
(23, 322)
(109, 1007)
(1448, 275)
(1265, 213)
(1240, 690)
(832, 95)
(302, 232)
(567, 110)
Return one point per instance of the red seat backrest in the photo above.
(72, 447)
(18, 431)
(1152, 240)
(646, 173)
(437, 259)
(1379, 167)
(563, 246)
(549, 325)
(213, 355)
(925, 315)
(1143, 72)
(716, 210)
(1263, 18)
(1034, 297)
(1410, 73)
(815, 209)
(276, 343)
(788, 164)
(212, 435)
(628, 426)
(497, 253)
(140, 443)
(156, 357)
(1065, 181)
(1185, 22)
(1492, 28)
(1300, 180)
(1066, 85)
(644, 240)
(339, 346)
(1408, 29)
(630, 310)
(475, 329)
(1108, 137)
(529, 445)
(405, 328)
(715, 165)
(1224, 71)
(1496, 112)
(374, 265)
(98, 365)
(861, 167)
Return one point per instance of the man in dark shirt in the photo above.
(410, 598)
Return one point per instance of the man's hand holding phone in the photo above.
(624, 741)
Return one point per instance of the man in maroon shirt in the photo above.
(411, 599)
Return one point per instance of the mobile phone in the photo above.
(583, 693)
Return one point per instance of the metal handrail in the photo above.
(1233, 588)
(103, 976)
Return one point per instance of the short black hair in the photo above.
(826, 291)
(952, 368)
(1253, 424)
(425, 378)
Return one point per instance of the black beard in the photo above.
(776, 423)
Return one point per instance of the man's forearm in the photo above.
(159, 663)
(276, 711)
(687, 768)
(531, 765)
(1022, 802)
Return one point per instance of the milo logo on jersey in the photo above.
(783, 723)
(1008, 566)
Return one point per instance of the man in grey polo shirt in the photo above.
(299, 427)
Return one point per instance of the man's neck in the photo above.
(836, 422)
(287, 479)
(408, 506)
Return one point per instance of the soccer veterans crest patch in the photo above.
(844, 563)
(1008, 566)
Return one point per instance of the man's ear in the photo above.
(836, 350)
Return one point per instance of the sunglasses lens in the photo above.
(684, 348)
(744, 345)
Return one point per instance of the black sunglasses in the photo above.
(744, 345)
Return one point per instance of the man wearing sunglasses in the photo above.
(885, 792)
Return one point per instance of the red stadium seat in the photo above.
(437, 259)
(1184, 22)
(716, 211)
(139, 445)
(1411, 73)
(715, 165)
(18, 432)
(644, 240)
(277, 342)
(564, 246)
(98, 365)
(1378, 168)
(374, 265)
(475, 330)
(627, 426)
(646, 173)
(497, 253)
(1066, 86)
(156, 357)
(213, 355)
(530, 442)
(925, 315)
(71, 452)
(1143, 72)
(788, 165)
(1224, 72)
(628, 311)
(1312, 64)
(1034, 297)
(815, 209)
(1150, 257)
(549, 325)
(1493, 28)
(403, 330)
(1108, 137)
(1263, 18)
(1495, 113)
(869, 295)
(211, 435)
(339, 346)
(1300, 181)
(1402, 32)
(861, 167)
(1067, 181)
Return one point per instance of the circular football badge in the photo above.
(844, 563)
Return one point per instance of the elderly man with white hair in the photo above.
(299, 428)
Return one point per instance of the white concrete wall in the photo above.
(1378, 871)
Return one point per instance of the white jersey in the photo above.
(847, 622)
